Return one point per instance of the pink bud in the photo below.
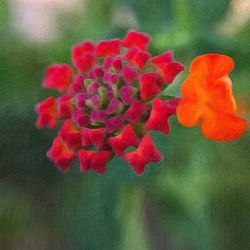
(126, 93)
(135, 111)
(80, 118)
(128, 74)
(117, 63)
(93, 87)
(94, 102)
(77, 84)
(114, 123)
(98, 115)
(108, 62)
(113, 106)
(98, 72)
(80, 100)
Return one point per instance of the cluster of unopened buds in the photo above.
(116, 98)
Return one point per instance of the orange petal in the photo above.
(222, 127)
(207, 96)
(193, 88)
(221, 96)
(188, 113)
(218, 65)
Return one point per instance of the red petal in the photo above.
(85, 137)
(160, 113)
(85, 158)
(128, 136)
(137, 57)
(108, 48)
(165, 57)
(95, 160)
(65, 106)
(95, 137)
(117, 145)
(148, 150)
(131, 53)
(58, 76)
(134, 38)
(125, 139)
(80, 49)
(140, 59)
(83, 56)
(47, 113)
(167, 66)
(70, 134)
(61, 154)
(144, 154)
(99, 161)
(85, 63)
(148, 85)
(171, 70)
(138, 163)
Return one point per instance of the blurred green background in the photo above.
(197, 198)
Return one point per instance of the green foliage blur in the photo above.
(196, 199)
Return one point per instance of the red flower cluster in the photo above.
(110, 104)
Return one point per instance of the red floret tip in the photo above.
(160, 114)
(144, 154)
(125, 139)
(108, 48)
(70, 134)
(65, 106)
(83, 56)
(148, 86)
(167, 66)
(93, 137)
(58, 76)
(47, 113)
(61, 154)
(96, 161)
(136, 39)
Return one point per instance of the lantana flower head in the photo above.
(109, 104)
(114, 97)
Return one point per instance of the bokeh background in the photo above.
(197, 198)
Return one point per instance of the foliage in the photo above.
(197, 198)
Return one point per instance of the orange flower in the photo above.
(208, 99)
